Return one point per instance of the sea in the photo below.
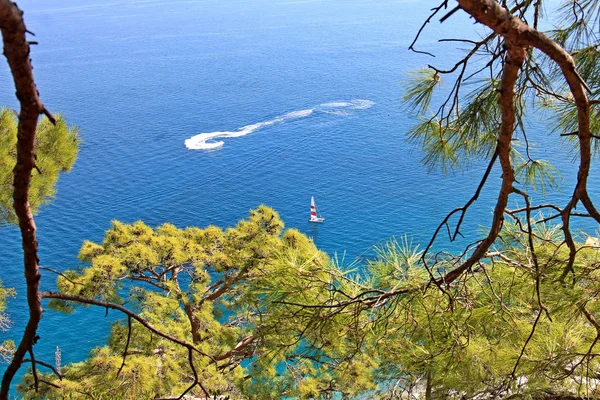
(193, 112)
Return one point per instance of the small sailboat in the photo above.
(592, 241)
(313, 212)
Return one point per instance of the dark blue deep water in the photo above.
(140, 77)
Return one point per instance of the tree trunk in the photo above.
(16, 50)
(428, 387)
(194, 322)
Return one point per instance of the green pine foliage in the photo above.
(312, 334)
(208, 287)
(7, 347)
(56, 148)
(467, 339)
(455, 142)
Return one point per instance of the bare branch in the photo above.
(60, 274)
(50, 383)
(34, 370)
(193, 385)
(516, 56)
(47, 365)
(126, 345)
(435, 11)
(449, 14)
(131, 314)
(537, 319)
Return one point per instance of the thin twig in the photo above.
(47, 365)
(126, 345)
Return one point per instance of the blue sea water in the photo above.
(140, 77)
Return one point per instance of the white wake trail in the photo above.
(356, 104)
(206, 141)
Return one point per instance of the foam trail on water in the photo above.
(201, 141)
(356, 104)
(206, 141)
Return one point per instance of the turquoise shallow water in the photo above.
(140, 77)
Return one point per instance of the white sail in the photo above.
(313, 212)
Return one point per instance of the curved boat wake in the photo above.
(206, 141)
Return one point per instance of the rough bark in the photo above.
(514, 60)
(16, 50)
(190, 311)
(501, 21)
(519, 36)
